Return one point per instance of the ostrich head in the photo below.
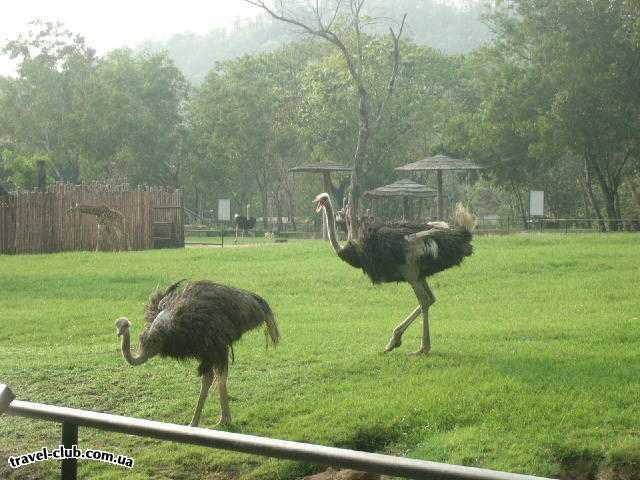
(321, 201)
(122, 326)
(122, 330)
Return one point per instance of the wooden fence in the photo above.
(40, 222)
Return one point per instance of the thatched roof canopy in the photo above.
(321, 167)
(440, 162)
(402, 188)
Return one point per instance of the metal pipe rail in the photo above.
(318, 454)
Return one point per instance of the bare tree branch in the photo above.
(355, 61)
(322, 32)
(395, 69)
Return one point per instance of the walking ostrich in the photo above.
(200, 321)
(243, 223)
(405, 252)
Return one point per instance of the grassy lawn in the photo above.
(534, 367)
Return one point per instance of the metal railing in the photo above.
(72, 418)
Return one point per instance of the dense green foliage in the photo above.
(533, 367)
(550, 103)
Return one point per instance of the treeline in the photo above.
(442, 26)
(552, 103)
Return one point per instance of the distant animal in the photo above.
(112, 230)
(244, 224)
(202, 320)
(405, 252)
(268, 236)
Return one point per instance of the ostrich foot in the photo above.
(224, 420)
(422, 351)
(394, 342)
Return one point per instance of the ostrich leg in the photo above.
(221, 380)
(396, 338)
(207, 380)
(426, 298)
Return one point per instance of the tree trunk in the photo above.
(277, 198)
(292, 211)
(520, 206)
(265, 209)
(635, 194)
(291, 204)
(609, 187)
(595, 205)
(359, 163)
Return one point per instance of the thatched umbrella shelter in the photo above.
(403, 189)
(439, 163)
(325, 168)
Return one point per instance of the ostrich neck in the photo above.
(330, 218)
(126, 351)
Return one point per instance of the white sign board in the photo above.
(224, 209)
(536, 204)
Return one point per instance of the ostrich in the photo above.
(405, 252)
(201, 321)
(243, 223)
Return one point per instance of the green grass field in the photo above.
(534, 365)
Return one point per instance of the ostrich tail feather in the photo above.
(271, 329)
(271, 326)
(464, 219)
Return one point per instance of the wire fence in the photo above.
(307, 228)
(508, 225)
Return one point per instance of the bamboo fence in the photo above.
(42, 222)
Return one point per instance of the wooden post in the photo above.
(69, 468)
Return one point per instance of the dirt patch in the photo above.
(589, 465)
(331, 474)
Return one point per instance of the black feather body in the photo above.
(383, 251)
(202, 321)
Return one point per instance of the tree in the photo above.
(572, 46)
(134, 125)
(341, 24)
(43, 107)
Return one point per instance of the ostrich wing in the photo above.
(157, 301)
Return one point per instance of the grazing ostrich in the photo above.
(201, 321)
(244, 224)
(405, 252)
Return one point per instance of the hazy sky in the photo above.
(117, 23)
